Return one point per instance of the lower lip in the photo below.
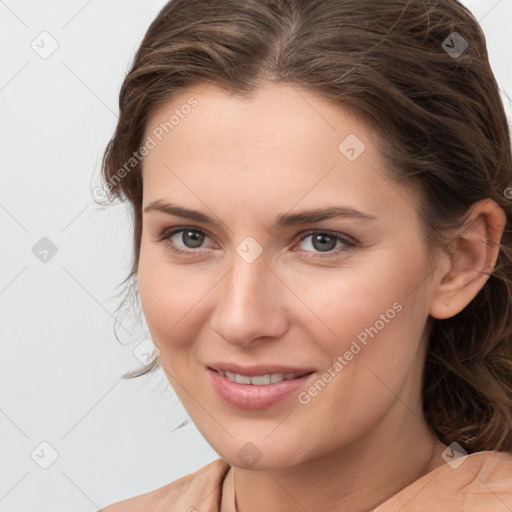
(251, 396)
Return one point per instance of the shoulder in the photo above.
(199, 490)
(482, 482)
(492, 473)
(484, 471)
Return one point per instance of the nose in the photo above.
(250, 303)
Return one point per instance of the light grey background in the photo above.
(61, 366)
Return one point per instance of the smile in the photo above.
(257, 391)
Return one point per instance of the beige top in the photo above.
(482, 483)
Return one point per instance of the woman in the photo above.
(322, 251)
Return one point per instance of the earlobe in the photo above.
(473, 254)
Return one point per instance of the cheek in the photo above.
(370, 357)
(354, 300)
(375, 318)
(166, 293)
(173, 299)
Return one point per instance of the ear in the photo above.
(473, 254)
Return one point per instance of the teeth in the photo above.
(277, 377)
(258, 380)
(241, 379)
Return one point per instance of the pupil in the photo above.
(197, 238)
(322, 246)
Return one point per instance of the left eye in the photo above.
(325, 241)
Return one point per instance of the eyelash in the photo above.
(166, 235)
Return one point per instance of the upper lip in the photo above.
(258, 369)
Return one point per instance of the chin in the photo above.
(261, 455)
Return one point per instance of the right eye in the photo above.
(189, 236)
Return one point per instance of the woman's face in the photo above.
(261, 283)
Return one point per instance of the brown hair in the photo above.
(436, 108)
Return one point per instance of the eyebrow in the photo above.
(284, 220)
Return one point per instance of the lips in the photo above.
(256, 396)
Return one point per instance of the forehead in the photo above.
(279, 146)
(276, 114)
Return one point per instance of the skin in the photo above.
(245, 162)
